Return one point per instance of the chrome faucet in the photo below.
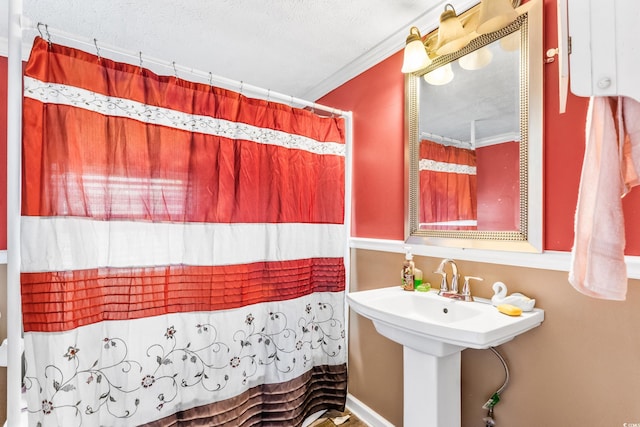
(452, 291)
(444, 286)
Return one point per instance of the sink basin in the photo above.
(437, 325)
(433, 331)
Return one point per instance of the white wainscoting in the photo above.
(547, 260)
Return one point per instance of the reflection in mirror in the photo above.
(469, 134)
(475, 142)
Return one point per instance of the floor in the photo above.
(326, 420)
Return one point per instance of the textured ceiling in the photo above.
(301, 48)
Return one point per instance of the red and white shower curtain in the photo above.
(182, 250)
(448, 187)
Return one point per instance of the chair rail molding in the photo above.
(547, 260)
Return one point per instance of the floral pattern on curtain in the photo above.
(448, 187)
(182, 250)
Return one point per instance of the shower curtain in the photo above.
(182, 250)
(448, 186)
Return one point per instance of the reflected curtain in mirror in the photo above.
(448, 187)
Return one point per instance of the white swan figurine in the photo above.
(517, 299)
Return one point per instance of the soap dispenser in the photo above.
(407, 272)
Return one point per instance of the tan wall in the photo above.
(581, 367)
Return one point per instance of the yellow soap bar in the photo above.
(509, 309)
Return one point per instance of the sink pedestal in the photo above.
(433, 332)
(431, 389)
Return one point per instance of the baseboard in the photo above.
(366, 414)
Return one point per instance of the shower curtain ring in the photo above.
(46, 31)
(42, 36)
(210, 78)
(140, 56)
(95, 42)
(175, 71)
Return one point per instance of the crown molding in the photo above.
(497, 139)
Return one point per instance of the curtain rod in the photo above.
(94, 45)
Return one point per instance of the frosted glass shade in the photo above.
(440, 76)
(415, 54)
(451, 35)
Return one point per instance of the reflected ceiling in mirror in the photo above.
(486, 105)
(474, 106)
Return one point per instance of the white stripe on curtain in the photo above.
(433, 165)
(64, 243)
(54, 93)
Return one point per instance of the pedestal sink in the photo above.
(433, 331)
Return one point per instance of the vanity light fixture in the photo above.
(415, 53)
(451, 35)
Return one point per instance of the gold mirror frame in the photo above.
(528, 238)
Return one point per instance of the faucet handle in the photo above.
(443, 284)
(466, 289)
(454, 282)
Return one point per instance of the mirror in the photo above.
(474, 120)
